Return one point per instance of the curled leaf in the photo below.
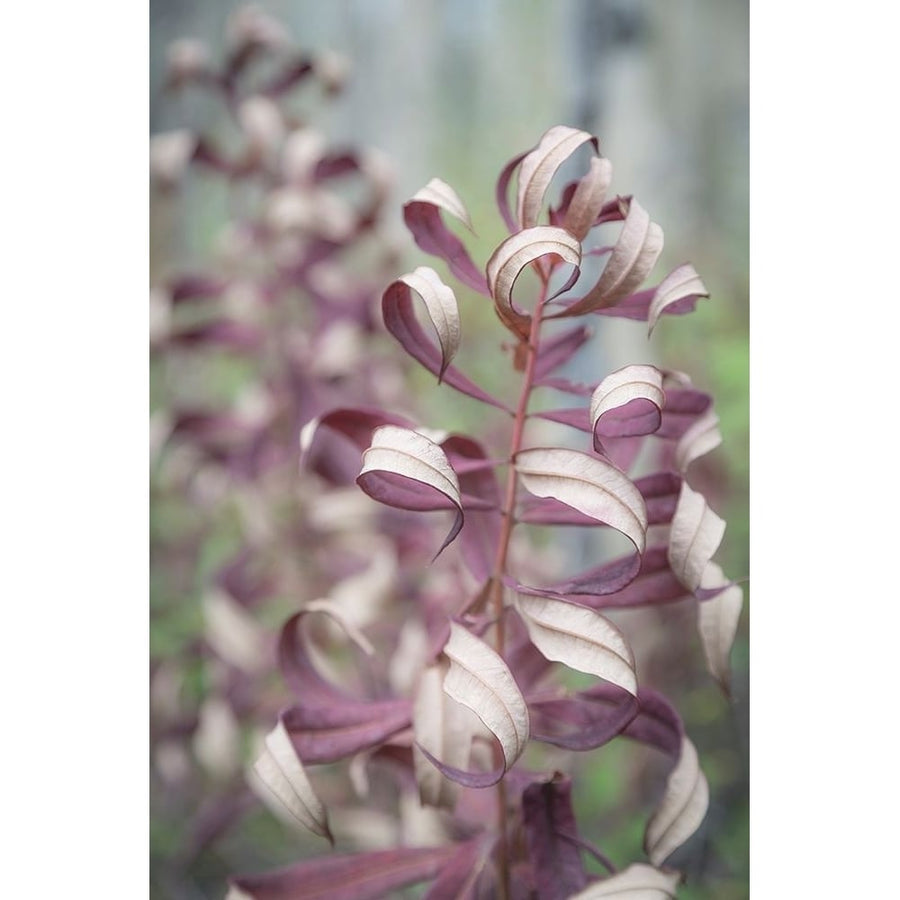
(587, 200)
(407, 470)
(694, 537)
(635, 253)
(440, 302)
(699, 439)
(281, 771)
(578, 637)
(628, 402)
(517, 252)
(682, 808)
(638, 882)
(480, 679)
(681, 284)
(717, 621)
(422, 215)
(440, 729)
(592, 486)
(539, 166)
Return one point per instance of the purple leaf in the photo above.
(502, 191)
(362, 876)
(557, 351)
(422, 215)
(459, 877)
(556, 862)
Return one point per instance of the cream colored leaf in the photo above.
(624, 385)
(694, 537)
(480, 679)
(681, 283)
(591, 485)
(588, 198)
(233, 633)
(281, 771)
(580, 638)
(441, 729)
(440, 303)
(556, 145)
(440, 194)
(702, 437)
(412, 455)
(638, 882)
(514, 254)
(681, 809)
(717, 622)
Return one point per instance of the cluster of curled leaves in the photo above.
(485, 687)
(286, 311)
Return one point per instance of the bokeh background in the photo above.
(454, 89)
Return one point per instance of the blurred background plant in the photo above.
(273, 231)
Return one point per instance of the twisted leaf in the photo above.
(638, 882)
(679, 285)
(694, 537)
(626, 403)
(717, 621)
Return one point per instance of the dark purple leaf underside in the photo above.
(225, 332)
(556, 862)
(585, 721)
(363, 876)
(464, 776)
(424, 221)
(502, 192)
(459, 878)
(324, 735)
(400, 320)
(481, 535)
(557, 351)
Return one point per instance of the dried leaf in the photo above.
(682, 808)
(440, 302)
(361, 876)
(405, 469)
(638, 882)
(633, 257)
(480, 679)
(699, 439)
(539, 166)
(717, 621)
(578, 637)
(694, 537)
(587, 199)
(422, 215)
(517, 252)
(281, 771)
(680, 284)
(627, 402)
(549, 824)
(588, 484)
(440, 729)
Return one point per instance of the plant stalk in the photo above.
(509, 503)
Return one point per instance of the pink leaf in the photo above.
(681, 285)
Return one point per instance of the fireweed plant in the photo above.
(464, 732)
(284, 321)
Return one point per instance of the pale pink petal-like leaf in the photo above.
(422, 215)
(356, 425)
(480, 679)
(633, 257)
(578, 637)
(440, 729)
(682, 808)
(587, 200)
(549, 824)
(539, 166)
(638, 882)
(517, 252)
(440, 303)
(699, 439)
(407, 470)
(588, 484)
(360, 876)
(628, 402)
(281, 771)
(717, 621)
(679, 285)
(694, 537)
